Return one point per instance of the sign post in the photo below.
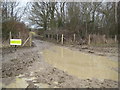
(9, 37)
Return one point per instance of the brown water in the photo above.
(22, 82)
(81, 64)
(17, 83)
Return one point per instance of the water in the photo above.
(22, 82)
(17, 83)
(81, 64)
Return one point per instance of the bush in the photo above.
(15, 27)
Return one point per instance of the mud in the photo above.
(98, 50)
(30, 68)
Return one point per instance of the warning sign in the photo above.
(15, 41)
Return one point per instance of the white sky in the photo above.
(64, 0)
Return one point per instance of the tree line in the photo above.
(82, 18)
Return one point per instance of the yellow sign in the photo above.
(15, 41)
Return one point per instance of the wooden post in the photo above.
(115, 38)
(62, 39)
(26, 41)
(30, 35)
(10, 36)
(104, 39)
(74, 37)
(19, 35)
(57, 37)
(89, 39)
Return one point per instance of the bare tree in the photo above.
(12, 11)
(82, 18)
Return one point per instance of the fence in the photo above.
(26, 40)
(77, 39)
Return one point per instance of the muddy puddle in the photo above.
(22, 82)
(81, 64)
(18, 83)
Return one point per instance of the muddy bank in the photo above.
(17, 61)
(97, 49)
(44, 75)
(28, 64)
(57, 78)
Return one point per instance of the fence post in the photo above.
(19, 35)
(115, 38)
(89, 39)
(57, 37)
(10, 34)
(74, 37)
(104, 39)
(10, 37)
(62, 39)
(30, 35)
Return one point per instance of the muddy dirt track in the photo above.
(27, 68)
